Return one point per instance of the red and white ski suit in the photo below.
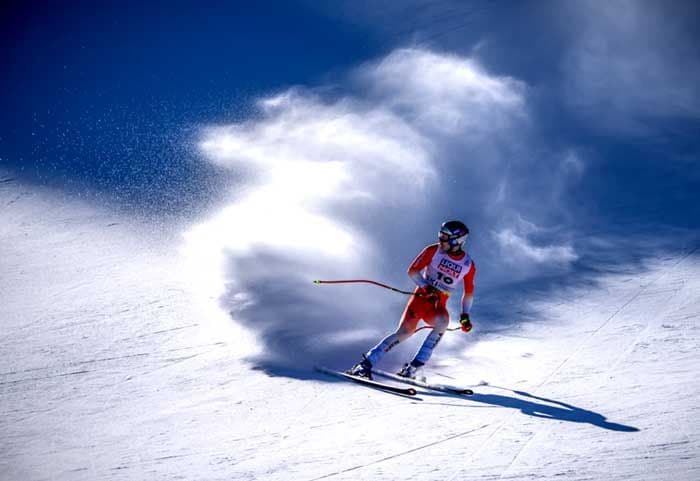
(444, 272)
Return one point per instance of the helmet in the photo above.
(454, 233)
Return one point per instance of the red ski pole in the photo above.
(366, 281)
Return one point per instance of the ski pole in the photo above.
(366, 281)
(431, 327)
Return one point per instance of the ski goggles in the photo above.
(452, 240)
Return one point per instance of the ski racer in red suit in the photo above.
(437, 272)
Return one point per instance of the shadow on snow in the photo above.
(541, 407)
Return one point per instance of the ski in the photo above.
(406, 391)
(426, 385)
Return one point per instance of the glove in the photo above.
(465, 322)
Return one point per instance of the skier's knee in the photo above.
(440, 324)
(403, 334)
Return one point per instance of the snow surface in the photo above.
(114, 367)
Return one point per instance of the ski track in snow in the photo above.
(111, 371)
(403, 453)
(677, 278)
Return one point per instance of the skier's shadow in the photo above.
(549, 409)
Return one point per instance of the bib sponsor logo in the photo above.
(450, 268)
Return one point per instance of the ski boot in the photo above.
(411, 371)
(361, 369)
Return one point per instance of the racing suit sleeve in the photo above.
(420, 263)
(468, 295)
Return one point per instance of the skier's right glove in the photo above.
(465, 322)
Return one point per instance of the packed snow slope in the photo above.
(115, 367)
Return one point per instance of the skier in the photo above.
(437, 271)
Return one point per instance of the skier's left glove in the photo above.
(465, 322)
